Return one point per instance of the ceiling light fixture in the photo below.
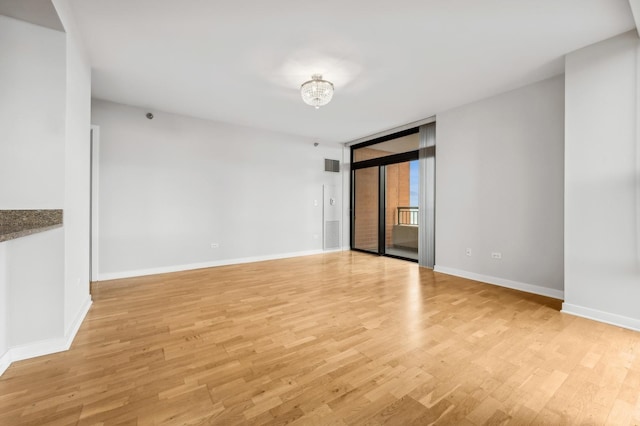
(316, 92)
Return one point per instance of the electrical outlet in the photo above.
(468, 252)
(496, 255)
(215, 245)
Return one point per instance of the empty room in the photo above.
(335, 213)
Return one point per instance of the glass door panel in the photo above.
(401, 209)
(365, 220)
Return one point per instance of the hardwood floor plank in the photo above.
(340, 338)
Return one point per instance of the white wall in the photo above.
(32, 150)
(499, 188)
(35, 272)
(171, 186)
(45, 121)
(32, 116)
(77, 173)
(345, 168)
(4, 306)
(602, 210)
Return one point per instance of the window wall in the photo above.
(385, 192)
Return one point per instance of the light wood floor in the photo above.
(341, 338)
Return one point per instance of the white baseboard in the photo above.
(516, 285)
(211, 264)
(71, 332)
(36, 349)
(48, 346)
(601, 316)
(333, 250)
(5, 362)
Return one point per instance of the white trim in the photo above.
(71, 332)
(635, 5)
(334, 250)
(202, 265)
(95, 187)
(48, 346)
(392, 131)
(601, 316)
(5, 362)
(345, 232)
(635, 11)
(36, 349)
(516, 285)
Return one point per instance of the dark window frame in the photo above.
(379, 162)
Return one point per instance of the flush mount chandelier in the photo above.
(316, 92)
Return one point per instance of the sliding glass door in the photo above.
(393, 195)
(385, 209)
(401, 209)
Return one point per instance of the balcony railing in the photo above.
(407, 216)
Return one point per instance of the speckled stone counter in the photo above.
(20, 223)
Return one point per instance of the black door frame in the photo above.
(381, 163)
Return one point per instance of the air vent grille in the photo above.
(331, 165)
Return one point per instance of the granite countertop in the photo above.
(20, 223)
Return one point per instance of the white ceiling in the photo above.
(39, 12)
(392, 62)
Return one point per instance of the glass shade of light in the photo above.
(316, 92)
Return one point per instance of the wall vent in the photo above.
(331, 165)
